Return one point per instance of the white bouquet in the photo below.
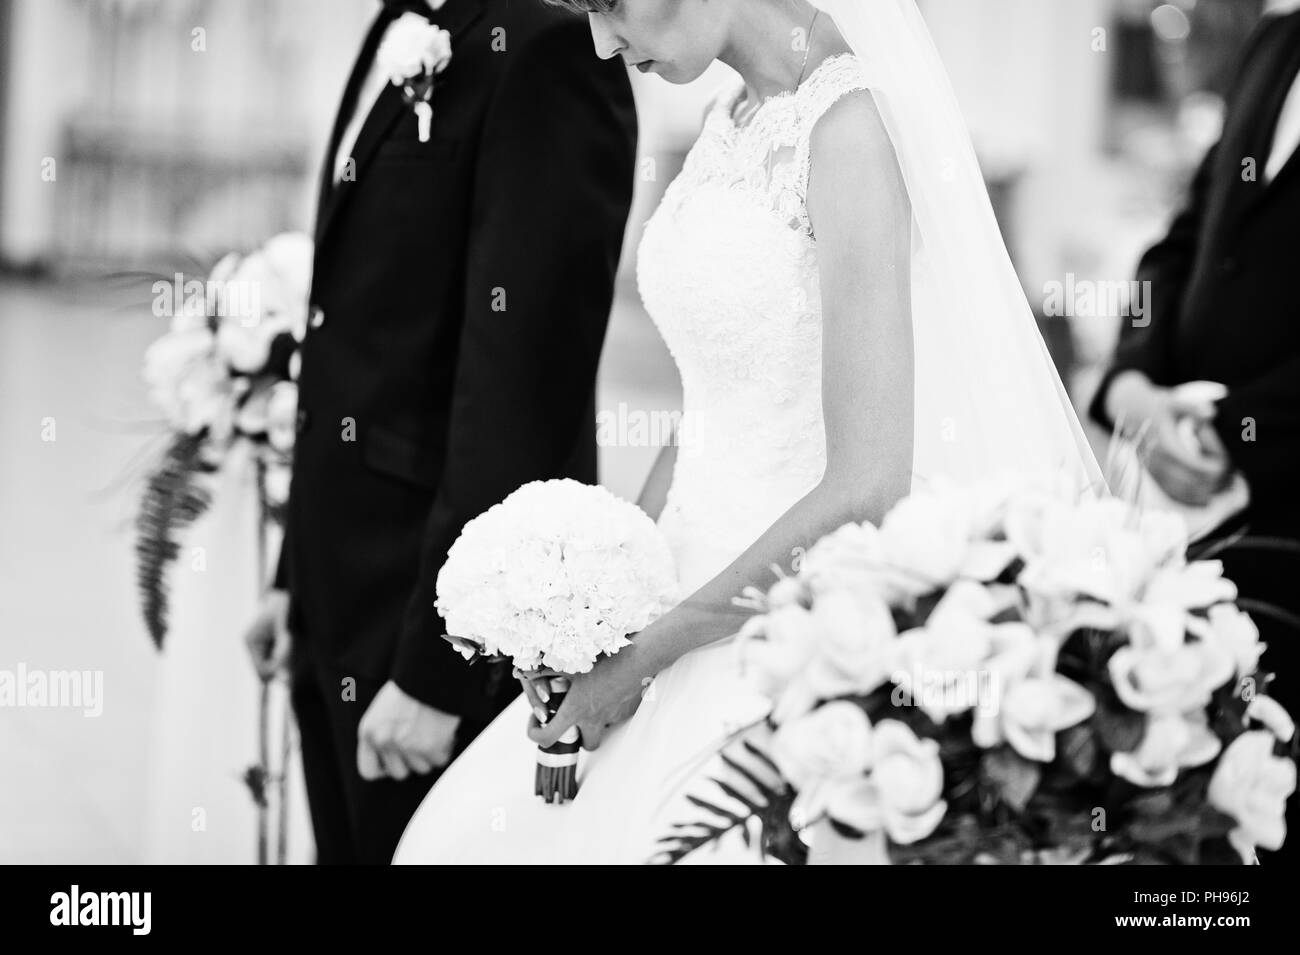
(224, 375)
(555, 576)
(1012, 672)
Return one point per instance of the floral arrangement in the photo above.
(223, 375)
(552, 578)
(1010, 673)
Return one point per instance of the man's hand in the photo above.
(1188, 472)
(1180, 447)
(399, 735)
(267, 638)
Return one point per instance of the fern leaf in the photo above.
(174, 498)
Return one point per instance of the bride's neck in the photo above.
(762, 47)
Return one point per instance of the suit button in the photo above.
(316, 318)
(303, 420)
(1228, 265)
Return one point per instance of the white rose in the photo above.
(787, 591)
(192, 315)
(413, 46)
(187, 384)
(1237, 633)
(169, 359)
(1032, 711)
(251, 419)
(820, 754)
(901, 795)
(1169, 743)
(776, 648)
(943, 666)
(1099, 548)
(225, 267)
(282, 415)
(1252, 785)
(278, 477)
(855, 647)
(1160, 615)
(849, 558)
(1173, 680)
(289, 257)
(926, 537)
(1273, 716)
(267, 310)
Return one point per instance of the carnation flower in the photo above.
(556, 575)
(413, 46)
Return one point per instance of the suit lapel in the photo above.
(346, 107)
(456, 16)
(1282, 70)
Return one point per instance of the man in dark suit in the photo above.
(464, 273)
(1225, 295)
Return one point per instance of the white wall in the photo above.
(266, 64)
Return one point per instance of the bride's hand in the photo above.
(596, 701)
(536, 684)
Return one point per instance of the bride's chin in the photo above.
(671, 73)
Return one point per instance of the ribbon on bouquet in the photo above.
(557, 764)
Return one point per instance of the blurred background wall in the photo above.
(146, 134)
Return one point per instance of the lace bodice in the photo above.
(728, 271)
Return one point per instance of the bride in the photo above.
(830, 279)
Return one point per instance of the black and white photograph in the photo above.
(650, 432)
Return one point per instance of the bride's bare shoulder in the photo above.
(851, 132)
(853, 168)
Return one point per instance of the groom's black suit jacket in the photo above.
(1225, 307)
(1224, 299)
(461, 292)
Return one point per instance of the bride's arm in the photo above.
(857, 201)
(858, 205)
(654, 493)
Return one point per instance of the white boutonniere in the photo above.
(413, 54)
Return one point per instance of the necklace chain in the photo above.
(803, 69)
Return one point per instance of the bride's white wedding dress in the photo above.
(728, 272)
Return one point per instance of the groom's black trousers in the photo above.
(355, 821)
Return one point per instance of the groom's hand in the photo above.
(1160, 417)
(267, 638)
(399, 735)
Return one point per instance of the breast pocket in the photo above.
(398, 456)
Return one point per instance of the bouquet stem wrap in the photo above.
(557, 764)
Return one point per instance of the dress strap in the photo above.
(835, 78)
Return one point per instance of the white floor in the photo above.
(115, 788)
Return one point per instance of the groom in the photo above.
(464, 273)
(1224, 286)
